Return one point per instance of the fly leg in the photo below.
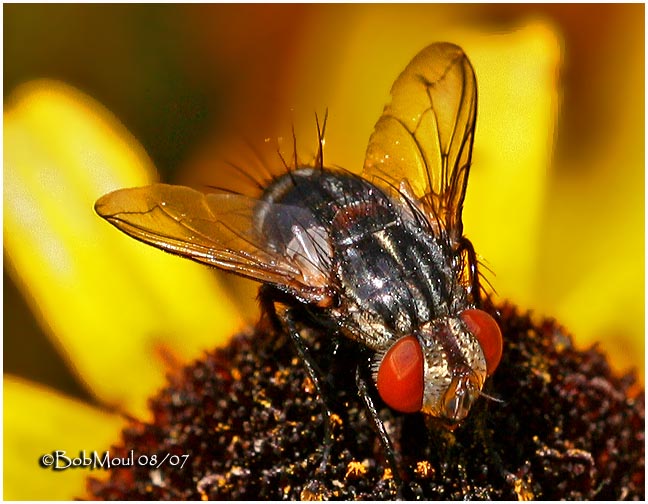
(363, 390)
(267, 297)
(466, 247)
(315, 375)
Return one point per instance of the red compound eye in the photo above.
(485, 329)
(400, 376)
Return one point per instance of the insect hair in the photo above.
(244, 173)
(491, 397)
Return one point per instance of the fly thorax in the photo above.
(454, 369)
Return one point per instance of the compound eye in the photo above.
(400, 376)
(485, 329)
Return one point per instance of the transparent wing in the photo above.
(219, 229)
(425, 134)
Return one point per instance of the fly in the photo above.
(381, 256)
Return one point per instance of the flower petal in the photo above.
(38, 422)
(108, 301)
(513, 148)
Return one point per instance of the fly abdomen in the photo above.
(395, 279)
(393, 275)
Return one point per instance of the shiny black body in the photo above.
(391, 272)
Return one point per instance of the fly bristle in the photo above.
(376, 361)
(319, 160)
(248, 168)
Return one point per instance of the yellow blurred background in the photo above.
(180, 78)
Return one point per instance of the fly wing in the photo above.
(425, 134)
(220, 229)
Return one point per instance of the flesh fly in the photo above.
(379, 256)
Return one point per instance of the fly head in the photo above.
(441, 370)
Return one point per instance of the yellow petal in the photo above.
(38, 422)
(518, 107)
(108, 301)
(613, 317)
